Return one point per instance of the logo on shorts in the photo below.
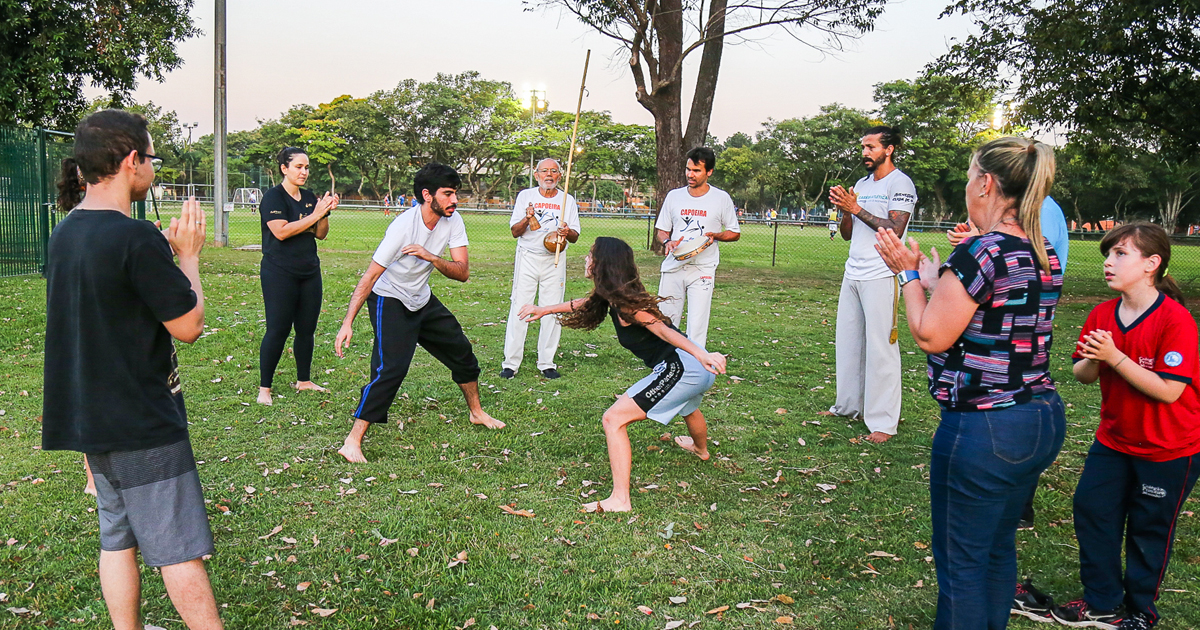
(1153, 491)
(1173, 359)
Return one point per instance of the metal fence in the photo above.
(29, 171)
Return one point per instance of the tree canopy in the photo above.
(51, 49)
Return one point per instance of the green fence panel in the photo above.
(22, 228)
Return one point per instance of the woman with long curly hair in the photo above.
(682, 371)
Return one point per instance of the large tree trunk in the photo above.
(706, 80)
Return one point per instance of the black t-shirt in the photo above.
(111, 377)
(643, 343)
(298, 254)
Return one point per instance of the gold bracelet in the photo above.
(1120, 362)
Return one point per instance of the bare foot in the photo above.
(352, 452)
(688, 444)
(308, 385)
(608, 505)
(878, 437)
(264, 396)
(484, 419)
(90, 488)
(826, 413)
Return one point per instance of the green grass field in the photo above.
(749, 530)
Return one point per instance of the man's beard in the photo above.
(440, 210)
(870, 165)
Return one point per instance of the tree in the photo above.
(1091, 66)
(942, 121)
(50, 49)
(658, 35)
(320, 136)
(814, 153)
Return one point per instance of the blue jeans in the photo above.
(984, 466)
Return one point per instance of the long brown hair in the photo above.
(1150, 240)
(616, 284)
(70, 186)
(1025, 171)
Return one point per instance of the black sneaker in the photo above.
(507, 373)
(1032, 603)
(550, 373)
(1025, 524)
(1078, 614)
(1137, 621)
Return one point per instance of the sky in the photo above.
(310, 51)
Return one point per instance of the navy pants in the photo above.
(291, 302)
(1122, 498)
(397, 333)
(984, 466)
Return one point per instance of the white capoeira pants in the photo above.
(868, 365)
(696, 285)
(534, 274)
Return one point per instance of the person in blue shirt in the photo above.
(1054, 229)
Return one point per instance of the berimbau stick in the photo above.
(571, 155)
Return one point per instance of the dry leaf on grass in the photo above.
(297, 622)
(881, 554)
(275, 530)
(461, 558)
(429, 604)
(718, 609)
(671, 625)
(784, 599)
(781, 411)
(412, 551)
(785, 620)
(525, 513)
(324, 612)
(646, 610)
(303, 586)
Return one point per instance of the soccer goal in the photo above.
(247, 196)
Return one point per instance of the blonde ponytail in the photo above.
(1024, 170)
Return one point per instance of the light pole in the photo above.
(537, 104)
(187, 145)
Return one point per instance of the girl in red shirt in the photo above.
(1143, 347)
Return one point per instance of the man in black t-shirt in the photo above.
(114, 300)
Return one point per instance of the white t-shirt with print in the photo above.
(895, 192)
(549, 213)
(686, 216)
(407, 277)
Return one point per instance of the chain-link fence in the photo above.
(29, 168)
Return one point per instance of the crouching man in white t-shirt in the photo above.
(866, 318)
(697, 211)
(404, 311)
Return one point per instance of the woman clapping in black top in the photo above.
(292, 219)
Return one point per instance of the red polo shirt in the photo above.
(1165, 340)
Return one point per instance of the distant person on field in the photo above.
(537, 272)
(868, 357)
(292, 221)
(115, 298)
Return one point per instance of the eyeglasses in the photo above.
(155, 161)
(553, 171)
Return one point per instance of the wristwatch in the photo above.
(907, 275)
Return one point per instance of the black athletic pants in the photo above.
(397, 333)
(1121, 498)
(291, 302)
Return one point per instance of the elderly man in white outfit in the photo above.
(868, 357)
(534, 269)
(696, 211)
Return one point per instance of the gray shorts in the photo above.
(151, 499)
(674, 388)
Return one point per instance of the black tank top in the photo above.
(645, 345)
